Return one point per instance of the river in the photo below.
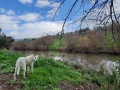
(87, 61)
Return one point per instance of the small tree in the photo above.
(5, 41)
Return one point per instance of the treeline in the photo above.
(91, 41)
(99, 40)
(33, 44)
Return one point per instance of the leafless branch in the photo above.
(62, 32)
(58, 9)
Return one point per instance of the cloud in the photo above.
(41, 26)
(37, 29)
(28, 29)
(25, 1)
(2, 10)
(55, 5)
(30, 17)
(8, 22)
(10, 12)
(117, 6)
(33, 27)
(42, 3)
(51, 13)
(46, 3)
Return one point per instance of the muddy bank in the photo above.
(82, 50)
(86, 86)
(91, 50)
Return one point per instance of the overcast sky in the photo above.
(33, 18)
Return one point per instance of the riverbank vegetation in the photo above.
(84, 40)
(5, 41)
(53, 75)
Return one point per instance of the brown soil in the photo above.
(86, 86)
(5, 84)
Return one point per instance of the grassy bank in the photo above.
(53, 75)
(47, 73)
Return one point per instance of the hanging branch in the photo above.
(116, 17)
(111, 16)
(62, 32)
(58, 9)
(82, 19)
(90, 10)
(104, 12)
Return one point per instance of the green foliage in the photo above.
(109, 40)
(99, 79)
(5, 41)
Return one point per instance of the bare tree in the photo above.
(90, 12)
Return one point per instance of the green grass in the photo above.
(47, 72)
(7, 60)
(56, 44)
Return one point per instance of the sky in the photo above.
(28, 18)
(34, 18)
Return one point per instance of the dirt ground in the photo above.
(86, 86)
(5, 84)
